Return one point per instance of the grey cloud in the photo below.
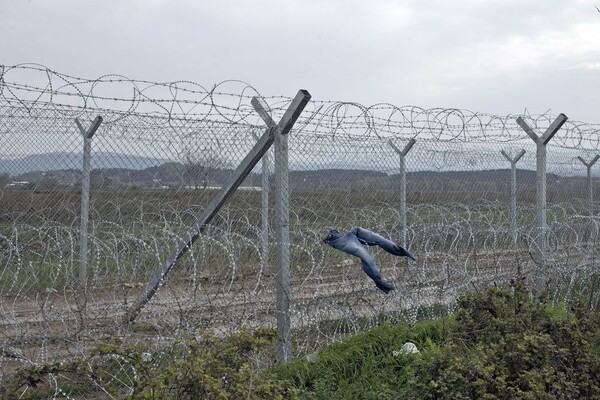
(435, 53)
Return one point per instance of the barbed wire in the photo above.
(163, 151)
(229, 101)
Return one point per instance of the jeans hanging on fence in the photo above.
(352, 243)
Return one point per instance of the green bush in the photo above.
(499, 344)
(201, 367)
(214, 368)
(505, 344)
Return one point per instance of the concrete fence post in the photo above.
(205, 217)
(540, 221)
(402, 153)
(513, 193)
(282, 219)
(85, 198)
(264, 233)
(589, 183)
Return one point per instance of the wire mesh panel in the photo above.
(164, 150)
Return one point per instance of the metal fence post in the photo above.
(541, 142)
(85, 197)
(282, 223)
(513, 192)
(589, 182)
(402, 153)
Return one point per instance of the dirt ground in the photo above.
(55, 326)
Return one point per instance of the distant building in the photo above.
(18, 184)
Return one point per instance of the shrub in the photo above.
(201, 367)
(499, 344)
(214, 368)
(505, 344)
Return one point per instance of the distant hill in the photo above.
(364, 180)
(332, 177)
(114, 169)
(324, 175)
(523, 175)
(58, 161)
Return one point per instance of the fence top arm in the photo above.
(553, 128)
(88, 133)
(406, 149)
(513, 160)
(591, 163)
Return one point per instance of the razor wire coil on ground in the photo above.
(164, 149)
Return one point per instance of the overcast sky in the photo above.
(496, 56)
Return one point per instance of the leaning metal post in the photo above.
(85, 198)
(205, 217)
(589, 182)
(282, 225)
(402, 153)
(513, 192)
(541, 142)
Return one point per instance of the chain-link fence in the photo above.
(163, 151)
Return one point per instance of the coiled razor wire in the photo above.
(165, 148)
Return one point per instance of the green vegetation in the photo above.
(201, 367)
(500, 343)
(369, 365)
